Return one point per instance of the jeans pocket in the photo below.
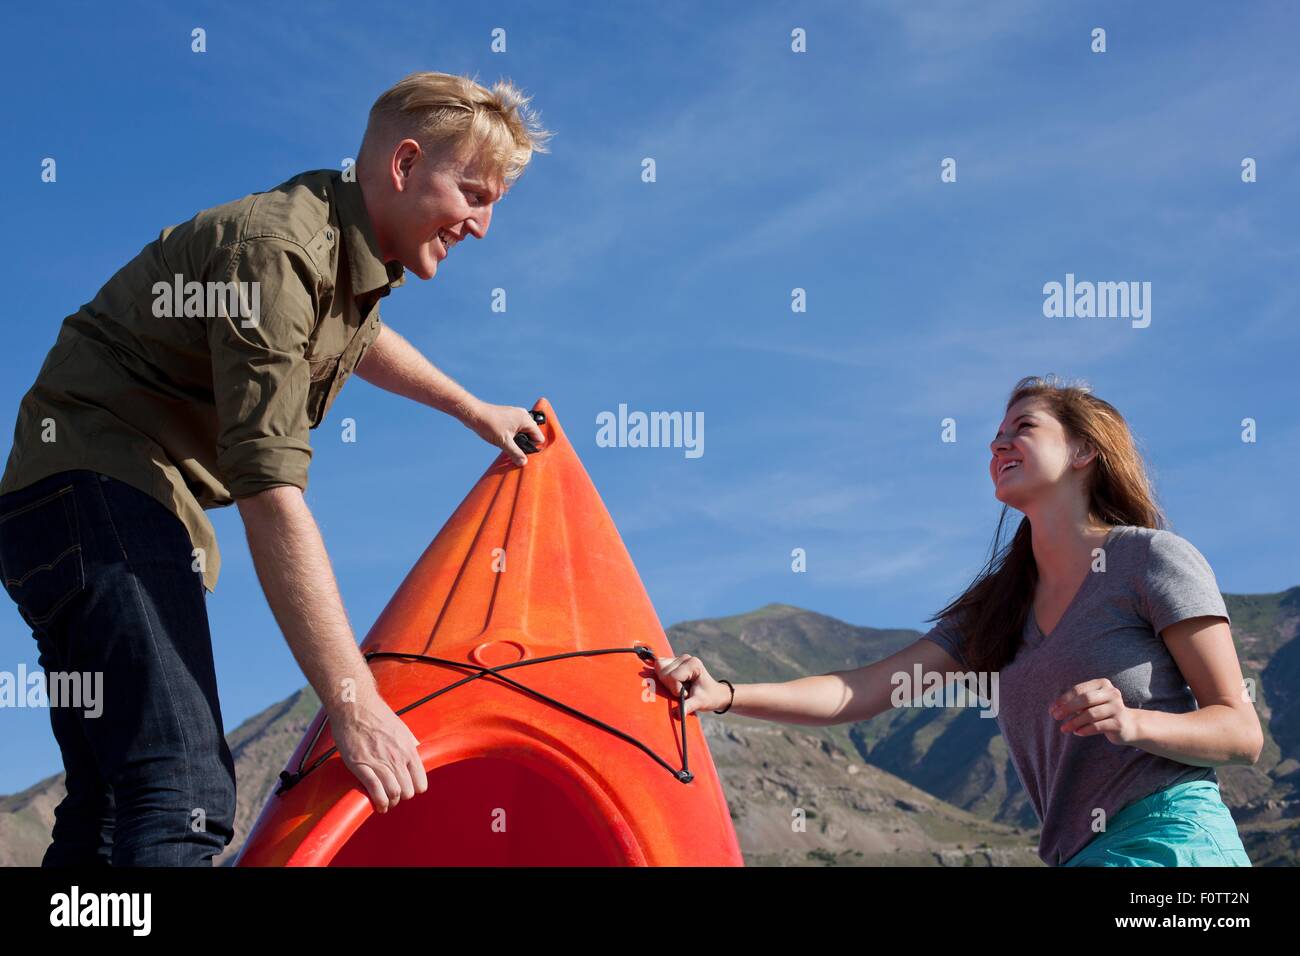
(40, 555)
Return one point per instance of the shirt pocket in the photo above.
(40, 556)
(323, 370)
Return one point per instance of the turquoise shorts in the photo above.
(1183, 825)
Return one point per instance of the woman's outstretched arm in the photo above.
(836, 698)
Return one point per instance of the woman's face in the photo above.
(1032, 455)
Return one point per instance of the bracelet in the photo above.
(733, 697)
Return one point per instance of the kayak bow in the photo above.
(519, 650)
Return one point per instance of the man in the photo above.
(191, 381)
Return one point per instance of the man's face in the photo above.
(429, 204)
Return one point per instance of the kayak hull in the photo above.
(529, 566)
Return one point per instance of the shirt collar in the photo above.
(369, 271)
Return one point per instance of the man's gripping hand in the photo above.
(498, 424)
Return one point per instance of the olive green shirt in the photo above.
(197, 370)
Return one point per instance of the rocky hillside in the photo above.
(911, 787)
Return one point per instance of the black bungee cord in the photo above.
(290, 778)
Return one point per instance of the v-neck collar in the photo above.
(1079, 593)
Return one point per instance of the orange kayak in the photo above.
(519, 650)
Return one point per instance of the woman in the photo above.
(1118, 683)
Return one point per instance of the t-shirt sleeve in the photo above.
(946, 635)
(1179, 583)
(260, 373)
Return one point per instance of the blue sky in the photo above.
(775, 170)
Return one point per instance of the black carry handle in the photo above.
(524, 441)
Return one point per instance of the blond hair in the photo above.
(455, 116)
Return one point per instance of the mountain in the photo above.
(853, 814)
(914, 786)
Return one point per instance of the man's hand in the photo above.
(379, 749)
(498, 424)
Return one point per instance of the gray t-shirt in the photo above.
(1153, 579)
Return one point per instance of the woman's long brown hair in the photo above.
(991, 614)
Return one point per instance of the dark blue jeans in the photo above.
(101, 572)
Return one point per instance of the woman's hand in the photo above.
(1096, 707)
(498, 424)
(704, 693)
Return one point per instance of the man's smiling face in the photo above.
(428, 203)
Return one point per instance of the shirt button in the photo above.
(329, 234)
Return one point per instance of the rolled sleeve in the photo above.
(260, 372)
